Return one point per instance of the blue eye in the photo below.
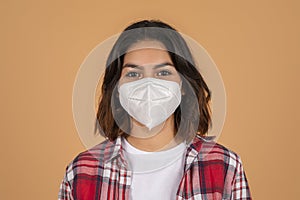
(164, 73)
(132, 74)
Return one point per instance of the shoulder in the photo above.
(100, 152)
(89, 161)
(213, 160)
(208, 150)
(218, 167)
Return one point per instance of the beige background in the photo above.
(255, 44)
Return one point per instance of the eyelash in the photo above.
(129, 74)
(166, 73)
(160, 73)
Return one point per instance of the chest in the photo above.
(200, 181)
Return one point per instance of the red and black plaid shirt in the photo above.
(211, 172)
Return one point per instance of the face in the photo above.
(148, 59)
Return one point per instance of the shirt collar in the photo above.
(117, 152)
(199, 148)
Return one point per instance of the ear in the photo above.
(182, 91)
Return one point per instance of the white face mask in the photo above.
(150, 101)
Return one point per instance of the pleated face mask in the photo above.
(150, 101)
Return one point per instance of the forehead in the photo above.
(146, 44)
(147, 52)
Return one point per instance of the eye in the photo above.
(132, 74)
(164, 73)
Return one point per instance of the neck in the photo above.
(162, 139)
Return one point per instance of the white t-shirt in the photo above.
(156, 175)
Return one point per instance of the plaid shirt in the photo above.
(211, 172)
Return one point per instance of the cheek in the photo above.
(175, 77)
(121, 80)
(178, 79)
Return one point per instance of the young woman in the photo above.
(154, 112)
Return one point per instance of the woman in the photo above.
(154, 112)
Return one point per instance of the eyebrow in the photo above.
(141, 67)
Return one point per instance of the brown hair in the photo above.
(197, 115)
